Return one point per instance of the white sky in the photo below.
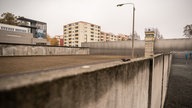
(169, 16)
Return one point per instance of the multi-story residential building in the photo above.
(60, 40)
(78, 32)
(123, 37)
(104, 37)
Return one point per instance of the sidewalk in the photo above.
(179, 94)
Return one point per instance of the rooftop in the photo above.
(30, 20)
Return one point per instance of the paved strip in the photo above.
(179, 94)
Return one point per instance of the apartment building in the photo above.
(60, 40)
(78, 32)
(123, 37)
(104, 37)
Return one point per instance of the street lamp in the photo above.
(133, 35)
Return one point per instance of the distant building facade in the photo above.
(37, 28)
(78, 32)
(104, 37)
(15, 34)
(123, 37)
(28, 32)
(13, 28)
(60, 40)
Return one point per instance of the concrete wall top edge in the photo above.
(10, 82)
(15, 44)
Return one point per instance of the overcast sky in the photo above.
(169, 16)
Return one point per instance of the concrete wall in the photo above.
(124, 47)
(116, 47)
(135, 84)
(15, 37)
(32, 50)
(167, 45)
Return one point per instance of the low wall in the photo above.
(33, 50)
(139, 83)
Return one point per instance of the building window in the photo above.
(76, 27)
(76, 34)
(76, 30)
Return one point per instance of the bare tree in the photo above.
(188, 31)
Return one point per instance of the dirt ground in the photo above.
(10, 65)
(179, 93)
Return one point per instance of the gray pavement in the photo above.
(179, 94)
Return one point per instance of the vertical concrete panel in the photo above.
(157, 82)
(165, 78)
(1, 50)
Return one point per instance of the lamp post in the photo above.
(133, 34)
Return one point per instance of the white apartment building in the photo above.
(78, 32)
(123, 37)
(104, 37)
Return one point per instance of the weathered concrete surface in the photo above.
(165, 77)
(179, 94)
(33, 50)
(15, 37)
(167, 45)
(110, 85)
(124, 47)
(14, 65)
(116, 48)
(157, 82)
(114, 84)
